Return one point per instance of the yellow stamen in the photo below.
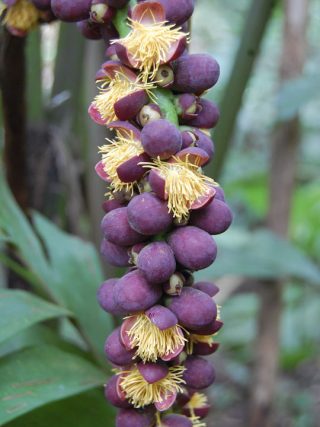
(158, 420)
(119, 150)
(113, 90)
(23, 15)
(140, 393)
(196, 421)
(151, 342)
(198, 400)
(149, 45)
(184, 184)
(194, 339)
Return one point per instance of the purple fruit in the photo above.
(133, 293)
(157, 262)
(199, 373)
(219, 194)
(207, 287)
(149, 215)
(162, 317)
(177, 11)
(215, 218)
(175, 420)
(210, 329)
(106, 300)
(42, 4)
(90, 30)
(117, 4)
(135, 418)
(193, 248)
(110, 205)
(193, 308)
(161, 138)
(195, 73)
(116, 351)
(114, 394)
(115, 255)
(207, 117)
(204, 349)
(153, 372)
(116, 228)
(71, 10)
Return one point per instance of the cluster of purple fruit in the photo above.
(159, 219)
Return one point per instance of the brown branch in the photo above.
(12, 77)
(282, 180)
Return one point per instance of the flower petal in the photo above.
(128, 107)
(148, 13)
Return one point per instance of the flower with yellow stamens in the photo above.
(197, 408)
(182, 184)
(151, 41)
(152, 383)
(122, 94)
(120, 161)
(21, 17)
(154, 335)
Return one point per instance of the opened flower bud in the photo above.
(116, 351)
(151, 41)
(148, 113)
(152, 383)
(114, 394)
(20, 17)
(154, 334)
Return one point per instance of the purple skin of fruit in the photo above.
(131, 170)
(127, 108)
(153, 372)
(177, 11)
(194, 309)
(115, 255)
(207, 287)
(175, 420)
(148, 215)
(199, 373)
(42, 4)
(135, 418)
(215, 218)
(133, 293)
(117, 4)
(112, 204)
(157, 262)
(210, 329)
(106, 300)
(113, 393)
(195, 73)
(89, 29)
(71, 11)
(116, 228)
(203, 349)
(162, 317)
(116, 351)
(193, 248)
(207, 117)
(161, 138)
(219, 194)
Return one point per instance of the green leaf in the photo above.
(71, 275)
(259, 254)
(295, 93)
(20, 309)
(75, 277)
(36, 376)
(89, 409)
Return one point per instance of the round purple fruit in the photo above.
(215, 218)
(161, 138)
(193, 248)
(71, 10)
(149, 215)
(157, 262)
(134, 293)
(199, 373)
